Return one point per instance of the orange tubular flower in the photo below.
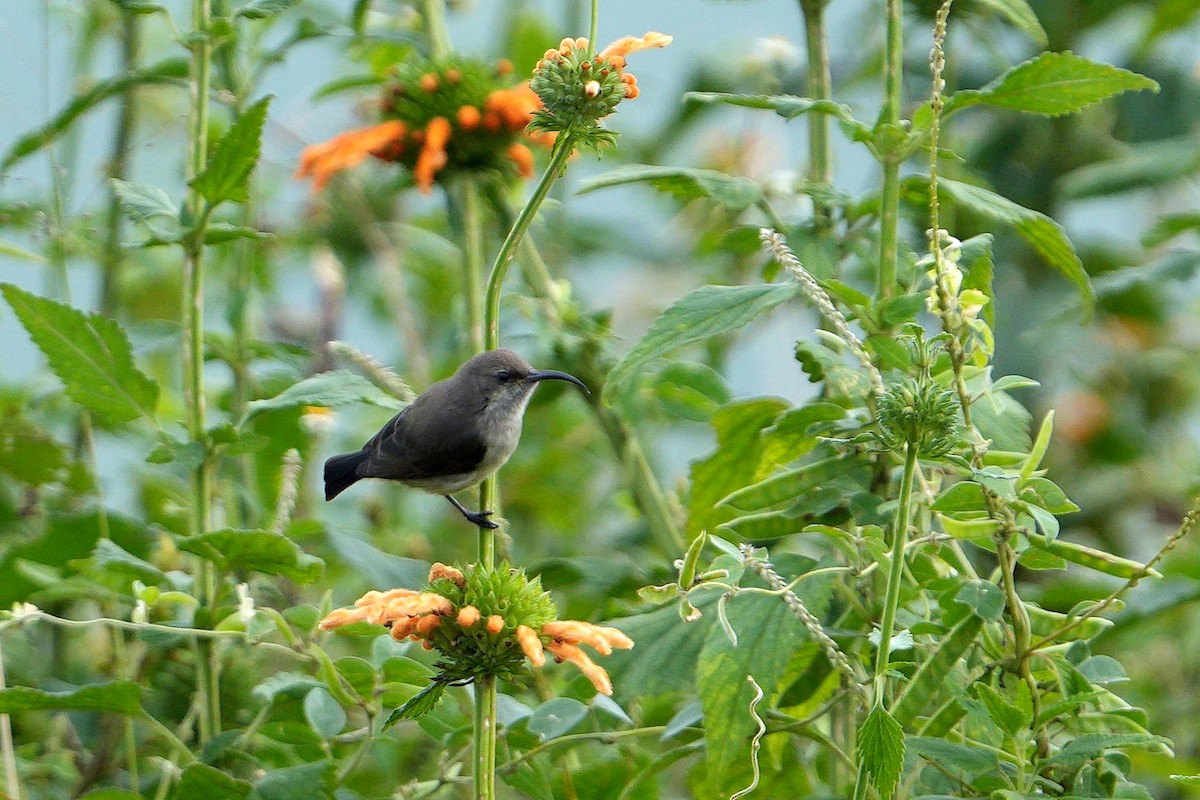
(433, 153)
(513, 609)
(593, 671)
(444, 116)
(631, 44)
(322, 161)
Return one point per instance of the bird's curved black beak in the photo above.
(555, 375)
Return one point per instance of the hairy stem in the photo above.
(889, 122)
(820, 152)
(193, 331)
(887, 623)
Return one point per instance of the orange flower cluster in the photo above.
(417, 615)
(444, 117)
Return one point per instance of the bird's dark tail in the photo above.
(342, 471)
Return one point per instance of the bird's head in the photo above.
(506, 381)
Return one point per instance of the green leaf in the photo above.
(227, 175)
(111, 557)
(143, 201)
(1086, 747)
(313, 781)
(959, 761)
(931, 675)
(706, 312)
(89, 353)
(556, 717)
(1005, 714)
(739, 459)
(171, 71)
(1053, 84)
(418, 705)
(792, 484)
(261, 9)
(1038, 451)
(118, 697)
(1095, 559)
(261, 551)
(788, 106)
(1042, 233)
(323, 714)
(767, 525)
(984, 597)
(12, 251)
(1102, 670)
(202, 782)
(293, 684)
(666, 653)
(730, 191)
(1019, 15)
(964, 496)
(327, 390)
(27, 453)
(1142, 166)
(881, 750)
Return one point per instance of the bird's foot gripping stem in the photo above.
(479, 518)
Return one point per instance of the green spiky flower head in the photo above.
(919, 414)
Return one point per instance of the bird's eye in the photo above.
(504, 376)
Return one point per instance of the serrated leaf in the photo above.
(117, 697)
(706, 312)
(227, 174)
(260, 551)
(418, 705)
(556, 717)
(323, 714)
(171, 71)
(881, 750)
(1086, 747)
(1042, 233)
(326, 390)
(1010, 718)
(730, 191)
(89, 353)
(1053, 84)
(666, 653)
(202, 782)
(768, 636)
(142, 201)
(739, 459)
(931, 675)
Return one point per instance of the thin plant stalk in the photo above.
(435, 28)
(485, 688)
(889, 118)
(472, 225)
(820, 152)
(895, 578)
(12, 783)
(113, 254)
(208, 678)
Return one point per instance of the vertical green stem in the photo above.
(820, 153)
(895, 574)
(889, 121)
(435, 29)
(12, 783)
(891, 603)
(485, 688)
(193, 332)
(472, 223)
(113, 255)
(593, 27)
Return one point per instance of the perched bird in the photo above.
(458, 432)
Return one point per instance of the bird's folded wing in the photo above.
(403, 450)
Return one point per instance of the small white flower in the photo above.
(141, 612)
(22, 610)
(245, 604)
